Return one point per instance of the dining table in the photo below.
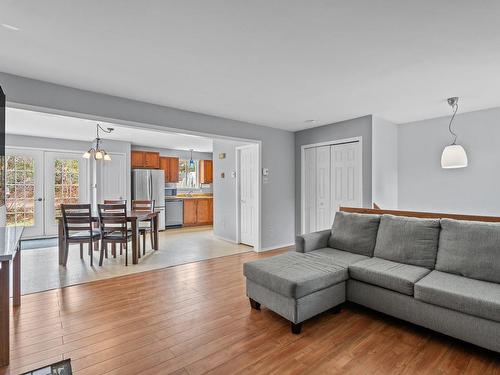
(133, 217)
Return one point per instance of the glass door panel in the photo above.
(24, 190)
(66, 176)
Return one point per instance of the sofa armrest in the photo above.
(312, 241)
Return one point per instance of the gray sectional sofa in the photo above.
(438, 273)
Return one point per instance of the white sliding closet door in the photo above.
(323, 188)
(331, 178)
(345, 176)
(310, 190)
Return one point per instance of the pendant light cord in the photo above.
(455, 106)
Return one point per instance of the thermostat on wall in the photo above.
(265, 172)
(222, 155)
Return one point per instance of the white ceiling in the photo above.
(23, 122)
(270, 62)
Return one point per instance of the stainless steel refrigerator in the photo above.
(149, 184)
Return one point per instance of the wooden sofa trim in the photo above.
(426, 215)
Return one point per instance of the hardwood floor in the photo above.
(195, 319)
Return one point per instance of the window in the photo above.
(188, 175)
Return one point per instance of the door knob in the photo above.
(40, 199)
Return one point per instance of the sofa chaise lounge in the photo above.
(442, 274)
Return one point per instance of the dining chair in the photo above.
(116, 201)
(147, 225)
(78, 228)
(114, 228)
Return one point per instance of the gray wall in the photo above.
(278, 195)
(425, 186)
(225, 189)
(361, 126)
(385, 163)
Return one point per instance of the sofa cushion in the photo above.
(408, 240)
(474, 297)
(295, 274)
(387, 274)
(356, 233)
(340, 257)
(470, 248)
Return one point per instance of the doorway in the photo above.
(331, 177)
(248, 195)
(38, 182)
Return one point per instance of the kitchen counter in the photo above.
(193, 197)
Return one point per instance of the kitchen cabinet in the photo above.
(137, 159)
(145, 159)
(173, 169)
(170, 167)
(152, 160)
(198, 211)
(190, 206)
(206, 172)
(164, 166)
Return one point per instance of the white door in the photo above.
(248, 186)
(323, 209)
(310, 190)
(113, 178)
(24, 190)
(66, 181)
(346, 176)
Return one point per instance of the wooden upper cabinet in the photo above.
(137, 159)
(152, 160)
(173, 169)
(164, 166)
(206, 172)
(145, 159)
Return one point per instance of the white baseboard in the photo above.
(275, 247)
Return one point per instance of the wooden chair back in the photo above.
(143, 205)
(77, 218)
(113, 218)
(115, 201)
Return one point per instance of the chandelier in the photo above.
(95, 150)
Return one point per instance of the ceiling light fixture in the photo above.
(191, 162)
(454, 156)
(10, 27)
(95, 151)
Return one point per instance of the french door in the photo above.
(66, 176)
(331, 178)
(37, 182)
(24, 190)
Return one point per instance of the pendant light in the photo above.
(191, 162)
(454, 156)
(96, 152)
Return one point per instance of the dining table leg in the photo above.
(61, 242)
(135, 240)
(4, 314)
(155, 232)
(16, 278)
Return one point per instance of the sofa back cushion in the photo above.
(408, 240)
(356, 233)
(470, 249)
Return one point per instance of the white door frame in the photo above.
(257, 246)
(303, 176)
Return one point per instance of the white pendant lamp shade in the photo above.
(454, 156)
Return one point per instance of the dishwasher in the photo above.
(174, 212)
